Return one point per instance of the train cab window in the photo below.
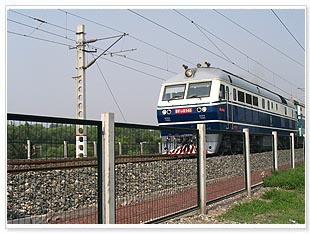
(234, 94)
(248, 99)
(255, 101)
(285, 110)
(222, 92)
(268, 105)
(263, 103)
(227, 93)
(197, 90)
(240, 96)
(276, 106)
(173, 92)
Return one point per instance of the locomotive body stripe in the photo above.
(226, 122)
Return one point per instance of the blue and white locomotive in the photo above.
(226, 103)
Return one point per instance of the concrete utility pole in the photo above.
(81, 130)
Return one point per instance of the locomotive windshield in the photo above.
(197, 90)
(173, 92)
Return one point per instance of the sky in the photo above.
(243, 41)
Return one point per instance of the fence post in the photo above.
(95, 149)
(159, 147)
(28, 149)
(108, 168)
(275, 150)
(65, 149)
(292, 150)
(247, 160)
(202, 168)
(120, 148)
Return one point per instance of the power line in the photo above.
(197, 26)
(169, 30)
(268, 69)
(131, 36)
(134, 69)
(42, 21)
(147, 64)
(259, 38)
(36, 28)
(108, 86)
(179, 35)
(287, 29)
(41, 39)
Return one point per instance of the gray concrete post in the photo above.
(202, 168)
(28, 149)
(292, 150)
(247, 160)
(120, 148)
(275, 150)
(95, 148)
(108, 168)
(65, 149)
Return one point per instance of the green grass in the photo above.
(283, 204)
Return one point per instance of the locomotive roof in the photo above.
(204, 73)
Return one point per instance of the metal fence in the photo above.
(151, 180)
(132, 173)
(46, 183)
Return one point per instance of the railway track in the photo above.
(25, 165)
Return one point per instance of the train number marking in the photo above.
(183, 110)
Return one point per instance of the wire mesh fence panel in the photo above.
(226, 172)
(299, 150)
(46, 182)
(151, 182)
(261, 159)
(284, 152)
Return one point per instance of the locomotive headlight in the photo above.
(168, 112)
(198, 109)
(204, 109)
(164, 112)
(189, 72)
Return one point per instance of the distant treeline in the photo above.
(47, 140)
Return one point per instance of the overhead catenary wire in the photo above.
(131, 36)
(194, 43)
(198, 27)
(259, 38)
(287, 29)
(109, 88)
(42, 30)
(42, 21)
(233, 47)
(179, 35)
(111, 37)
(40, 39)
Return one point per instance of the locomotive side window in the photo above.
(222, 92)
(227, 93)
(248, 99)
(255, 101)
(268, 105)
(197, 90)
(263, 103)
(240, 96)
(234, 94)
(173, 92)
